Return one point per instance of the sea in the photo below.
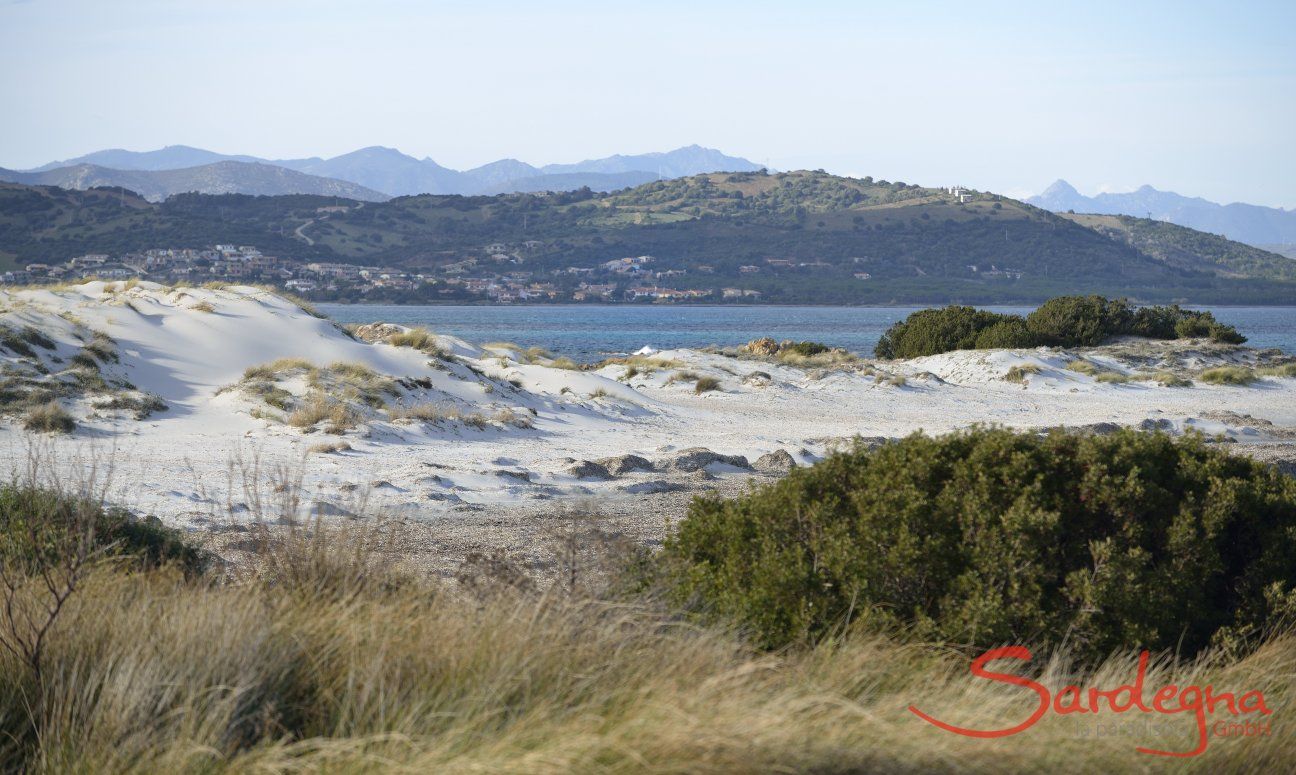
(587, 332)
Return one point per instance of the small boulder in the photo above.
(376, 332)
(764, 347)
(653, 487)
(696, 458)
(586, 469)
(624, 464)
(778, 461)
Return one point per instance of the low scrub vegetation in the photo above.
(990, 537)
(1065, 321)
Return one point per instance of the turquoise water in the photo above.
(588, 332)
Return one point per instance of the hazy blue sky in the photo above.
(1195, 97)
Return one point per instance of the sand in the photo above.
(531, 441)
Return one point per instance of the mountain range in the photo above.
(222, 177)
(374, 173)
(1268, 227)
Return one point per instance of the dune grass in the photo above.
(1019, 373)
(1228, 375)
(1285, 370)
(420, 339)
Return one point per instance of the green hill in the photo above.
(799, 237)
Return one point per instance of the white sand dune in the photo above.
(515, 432)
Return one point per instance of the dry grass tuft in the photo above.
(420, 339)
(706, 385)
(327, 447)
(318, 408)
(1018, 373)
(49, 418)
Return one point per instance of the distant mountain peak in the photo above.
(1252, 224)
(1059, 186)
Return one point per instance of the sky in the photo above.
(1195, 97)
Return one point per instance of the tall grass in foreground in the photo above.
(321, 651)
(327, 657)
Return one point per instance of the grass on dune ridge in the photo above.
(324, 652)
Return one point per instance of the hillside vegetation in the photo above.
(801, 236)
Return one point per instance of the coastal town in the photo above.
(496, 278)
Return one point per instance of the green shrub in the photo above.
(1132, 540)
(1007, 334)
(1225, 334)
(806, 349)
(1083, 321)
(36, 522)
(934, 331)
(1065, 321)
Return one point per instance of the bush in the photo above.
(1225, 334)
(1084, 321)
(1007, 334)
(35, 523)
(934, 331)
(988, 537)
(805, 349)
(1065, 321)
